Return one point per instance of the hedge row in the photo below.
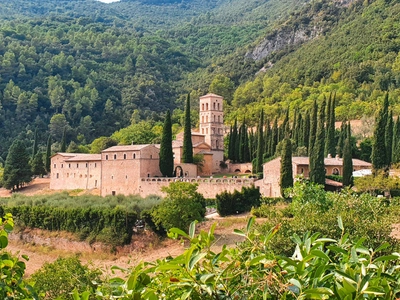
(89, 221)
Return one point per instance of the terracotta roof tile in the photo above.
(84, 157)
(126, 148)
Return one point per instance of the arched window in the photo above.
(202, 106)
(115, 156)
(218, 106)
(206, 106)
(219, 119)
(217, 144)
(124, 156)
(214, 105)
(134, 155)
(214, 116)
(106, 157)
(335, 171)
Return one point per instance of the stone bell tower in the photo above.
(212, 126)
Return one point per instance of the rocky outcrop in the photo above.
(282, 39)
(314, 19)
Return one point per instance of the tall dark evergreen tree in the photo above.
(389, 138)
(379, 160)
(260, 144)
(274, 138)
(267, 138)
(396, 141)
(285, 127)
(166, 161)
(317, 167)
(286, 177)
(252, 145)
(48, 155)
(242, 130)
(37, 165)
(17, 170)
(313, 128)
(341, 140)
(187, 151)
(35, 144)
(64, 141)
(232, 143)
(246, 147)
(347, 159)
(306, 131)
(330, 143)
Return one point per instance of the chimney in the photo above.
(337, 156)
(329, 155)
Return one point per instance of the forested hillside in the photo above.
(355, 55)
(96, 68)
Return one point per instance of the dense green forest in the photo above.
(115, 69)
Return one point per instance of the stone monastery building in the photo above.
(134, 169)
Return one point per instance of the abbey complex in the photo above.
(134, 169)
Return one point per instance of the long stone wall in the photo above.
(208, 187)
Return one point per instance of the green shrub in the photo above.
(182, 206)
(237, 202)
(57, 280)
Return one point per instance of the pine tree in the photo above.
(64, 141)
(48, 155)
(17, 169)
(313, 128)
(166, 161)
(260, 144)
(286, 177)
(187, 151)
(379, 160)
(347, 159)
(317, 167)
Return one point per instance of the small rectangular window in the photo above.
(106, 157)
(62, 166)
(115, 156)
(77, 165)
(124, 156)
(95, 165)
(69, 166)
(86, 165)
(58, 175)
(55, 166)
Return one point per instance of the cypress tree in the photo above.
(35, 144)
(286, 178)
(17, 169)
(284, 129)
(306, 131)
(252, 145)
(330, 130)
(313, 128)
(389, 138)
(260, 144)
(48, 155)
(246, 147)
(267, 139)
(317, 167)
(342, 138)
(274, 138)
(347, 159)
(232, 145)
(166, 161)
(396, 142)
(64, 141)
(187, 151)
(241, 143)
(379, 160)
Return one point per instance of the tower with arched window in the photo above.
(212, 126)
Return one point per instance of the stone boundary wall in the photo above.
(208, 187)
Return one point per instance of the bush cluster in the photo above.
(237, 202)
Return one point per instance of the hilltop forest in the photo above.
(91, 69)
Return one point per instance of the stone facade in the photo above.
(75, 171)
(270, 187)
